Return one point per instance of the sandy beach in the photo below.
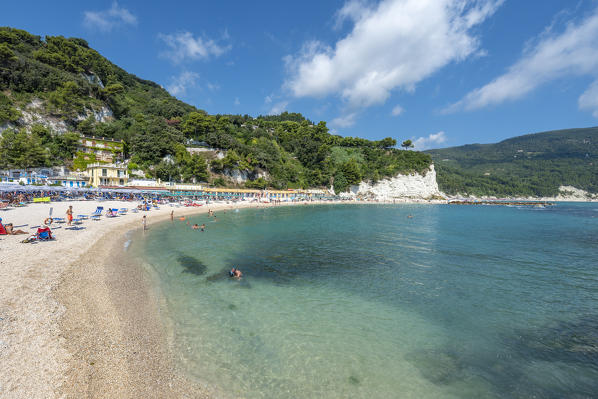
(75, 319)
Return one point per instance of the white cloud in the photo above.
(268, 99)
(393, 45)
(183, 46)
(278, 108)
(237, 101)
(108, 19)
(346, 120)
(397, 110)
(574, 52)
(212, 86)
(352, 10)
(423, 143)
(589, 99)
(180, 84)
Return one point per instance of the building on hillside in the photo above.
(31, 175)
(101, 174)
(103, 149)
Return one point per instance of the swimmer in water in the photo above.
(195, 226)
(236, 273)
(202, 227)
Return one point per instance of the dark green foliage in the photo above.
(7, 112)
(407, 144)
(285, 116)
(530, 165)
(71, 80)
(21, 150)
(259, 183)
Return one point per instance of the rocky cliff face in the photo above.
(242, 176)
(34, 113)
(414, 186)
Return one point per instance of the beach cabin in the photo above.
(73, 181)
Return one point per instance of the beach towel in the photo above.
(2, 229)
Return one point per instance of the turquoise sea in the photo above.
(361, 301)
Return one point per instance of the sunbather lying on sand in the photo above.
(11, 231)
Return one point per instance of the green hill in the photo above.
(63, 80)
(529, 165)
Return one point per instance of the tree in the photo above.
(6, 54)
(198, 125)
(407, 144)
(388, 142)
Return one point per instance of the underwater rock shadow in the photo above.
(192, 265)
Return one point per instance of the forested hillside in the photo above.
(530, 165)
(64, 79)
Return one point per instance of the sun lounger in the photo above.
(77, 221)
(97, 212)
(111, 213)
(83, 217)
(123, 211)
(59, 220)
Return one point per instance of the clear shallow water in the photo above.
(363, 302)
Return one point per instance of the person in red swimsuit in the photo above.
(69, 215)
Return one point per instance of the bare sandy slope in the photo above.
(74, 321)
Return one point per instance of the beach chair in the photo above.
(44, 234)
(111, 213)
(98, 212)
(135, 210)
(83, 217)
(59, 220)
(123, 211)
(77, 221)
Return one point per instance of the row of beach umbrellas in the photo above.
(74, 190)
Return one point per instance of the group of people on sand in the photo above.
(9, 229)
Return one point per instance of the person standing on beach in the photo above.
(69, 215)
(172, 215)
(144, 222)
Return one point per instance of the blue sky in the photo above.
(439, 72)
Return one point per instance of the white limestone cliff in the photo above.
(242, 176)
(400, 187)
(34, 113)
